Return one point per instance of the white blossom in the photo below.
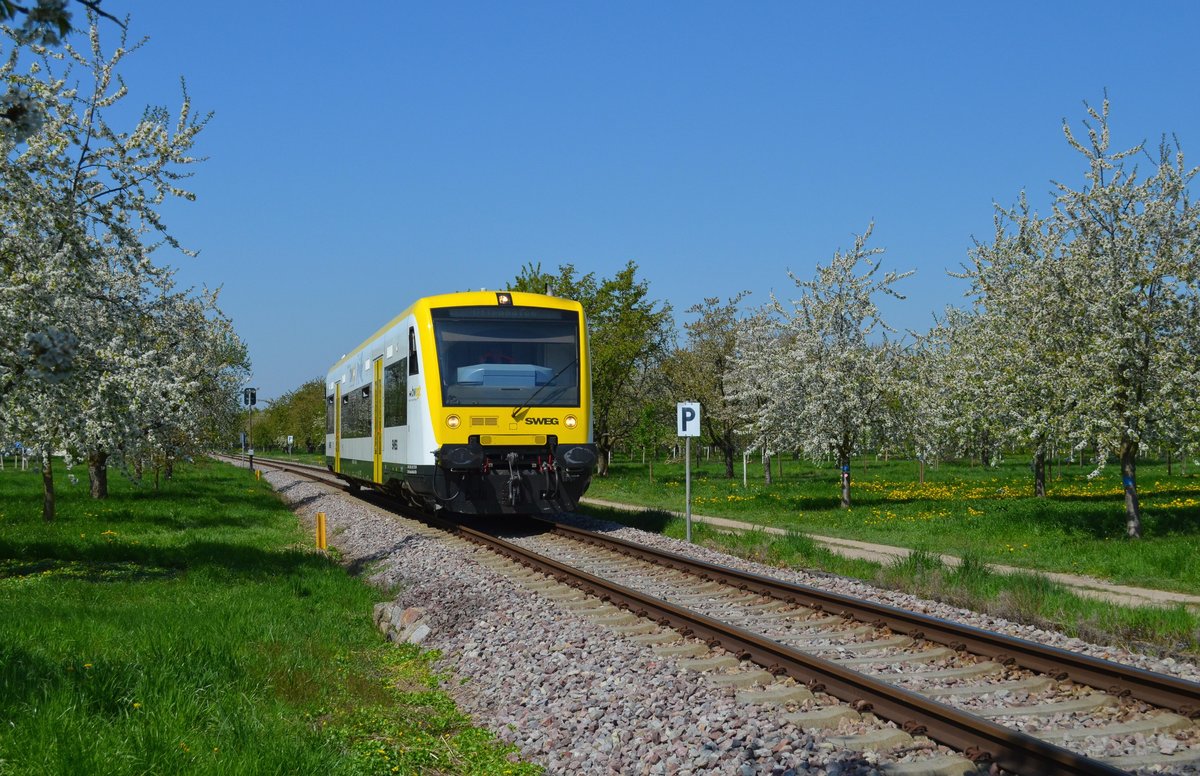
(817, 376)
(20, 114)
(99, 354)
(1089, 316)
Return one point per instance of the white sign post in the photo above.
(687, 423)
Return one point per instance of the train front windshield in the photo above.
(507, 356)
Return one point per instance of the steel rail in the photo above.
(1157, 689)
(1154, 688)
(311, 471)
(980, 739)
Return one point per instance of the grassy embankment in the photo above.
(979, 514)
(190, 630)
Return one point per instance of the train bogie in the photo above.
(475, 403)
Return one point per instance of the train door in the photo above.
(337, 427)
(395, 412)
(377, 417)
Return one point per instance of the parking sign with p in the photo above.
(687, 418)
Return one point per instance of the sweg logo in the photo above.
(541, 421)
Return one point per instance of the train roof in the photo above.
(464, 299)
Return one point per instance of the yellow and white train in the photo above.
(475, 403)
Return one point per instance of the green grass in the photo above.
(190, 630)
(962, 510)
(980, 515)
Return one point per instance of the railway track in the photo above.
(824, 657)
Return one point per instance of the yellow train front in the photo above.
(473, 403)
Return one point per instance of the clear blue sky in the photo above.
(363, 155)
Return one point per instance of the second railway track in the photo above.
(824, 657)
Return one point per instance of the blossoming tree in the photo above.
(759, 381)
(826, 363)
(85, 314)
(1022, 331)
(1090, 314)
(1131, 281)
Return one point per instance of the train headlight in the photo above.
(570, 421)
(453, 421)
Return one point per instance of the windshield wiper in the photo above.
(525, 407)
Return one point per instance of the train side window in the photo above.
(329, 407)
(412, 350)
(395, 394)
(362, 416)
(356, 413)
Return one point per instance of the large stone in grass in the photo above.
(383, 616)
(414, 633)
(417, 633)
(401, 625)
(402, 618)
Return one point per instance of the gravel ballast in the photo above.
(576, 698)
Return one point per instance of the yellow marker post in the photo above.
(321, 531)
(258, 474)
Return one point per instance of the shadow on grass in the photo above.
(1174, 522)
(100, 560)
(25, 675)
(822, 503)
(1099, 521)
(85, 571)
(202, 508)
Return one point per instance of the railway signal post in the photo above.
(687, 423)
(250, 398)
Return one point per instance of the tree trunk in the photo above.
(170, 467)
(47, 488)
(921, 471)
(602, 457)
(1133, 510)
(728, 452)
(98, 473)
(844, 464)
(1168, 463)
(766, 468)
(1039, 473)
